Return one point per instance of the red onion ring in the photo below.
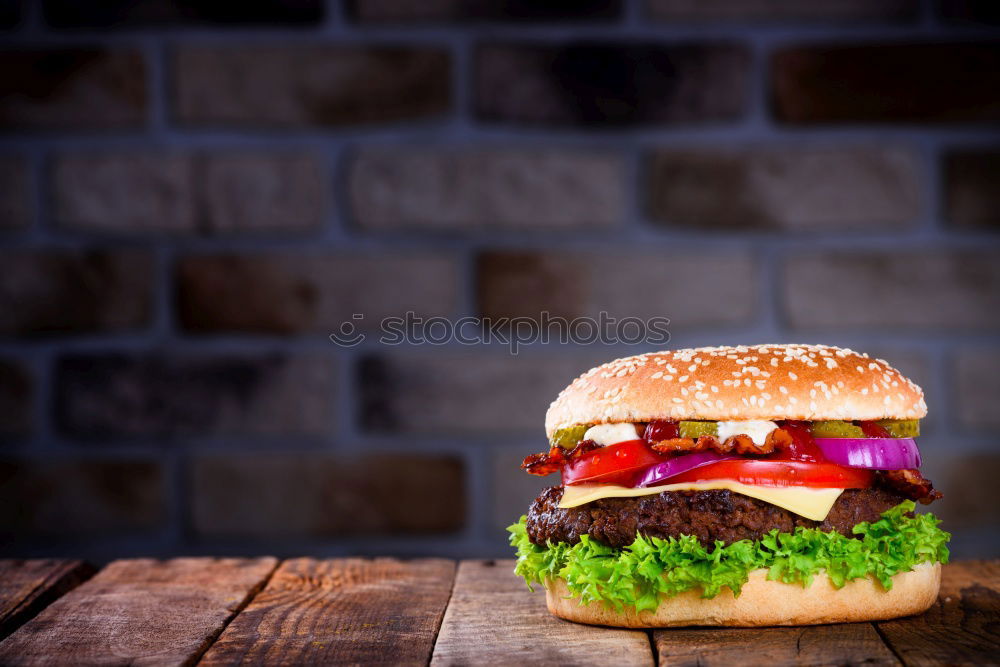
(871, 453)
(658, 472)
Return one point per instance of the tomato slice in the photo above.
(781, 473)
(614, 464)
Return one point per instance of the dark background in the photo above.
(193, 195)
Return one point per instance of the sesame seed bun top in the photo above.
(810, 382)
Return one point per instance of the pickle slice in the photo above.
(568, 437)
(694, 430)
(836, 429)
(901, 428)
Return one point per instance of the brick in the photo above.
(904, 83)
(486, 189)
(971, 491)
(315, 495)
(461, 393)
(261, 192)
(621, 282)
(71, 88)
(788, 190)
(49, 292)
(462, 11)
(16, 399)
(59, 498)
(972, 188)
(100, 396)
(317, 293)
(308, 86)
(15, 193)
(158, 13)
(969, 11)
(122, 192)
(612, 84)
(840, 11)
(188, 193)
(976, 374)
(911, 290)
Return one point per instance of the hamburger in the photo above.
(734, 486)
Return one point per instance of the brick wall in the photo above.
(192, 197)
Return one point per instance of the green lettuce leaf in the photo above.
(640, 574)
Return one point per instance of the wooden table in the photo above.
(262, 611)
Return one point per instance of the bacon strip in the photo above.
(552, 461)
(911, 484)
(740, 444)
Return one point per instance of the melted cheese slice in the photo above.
(811, 503)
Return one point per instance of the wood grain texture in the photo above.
(962, 628)
(139, 612)
(341, 611)
(28, 586)
(842, 644)
(494, 619)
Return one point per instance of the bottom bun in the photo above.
(764, 602)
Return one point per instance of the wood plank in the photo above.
(139, 611)
(341, 611)
(843, 644)
(962, 628)
(494, 619)
(28, 586)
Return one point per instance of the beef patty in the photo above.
(708, 515)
